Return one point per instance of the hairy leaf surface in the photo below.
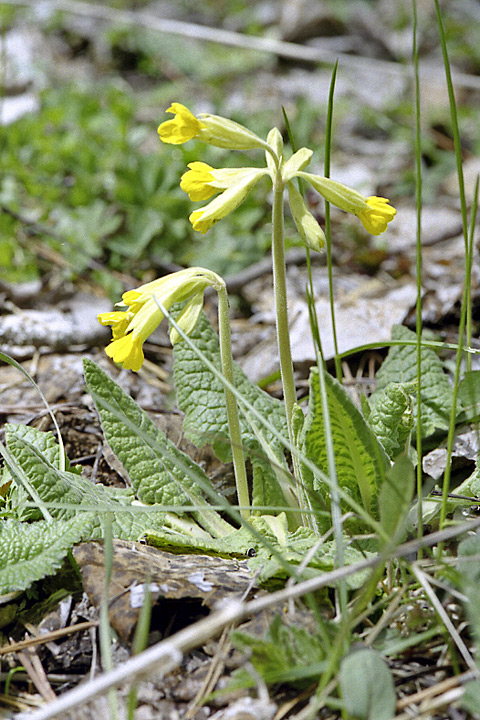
(201, 396)
(392, 418)
(66, 493)
(159, 471)
(401, 366)
(361, 461)
(30, 551)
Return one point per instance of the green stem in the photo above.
(280, 290)
(283, 334)
(231, 403)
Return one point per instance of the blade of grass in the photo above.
(328, 234)
(418, 204)
(468, 273)
(10, 361)
(465, 299)
(105, 631)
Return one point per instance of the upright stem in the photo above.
(280, 290)
(283, 335)
(231, 403)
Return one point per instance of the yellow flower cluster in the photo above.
(202, 182)
(143, 314)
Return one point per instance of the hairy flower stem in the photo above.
(231, 403)
(283, 334)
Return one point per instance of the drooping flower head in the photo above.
(212, 129)
(131, 327)
(374, 212)
(201, 181)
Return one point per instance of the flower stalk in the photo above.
(283, 332)
(231, 403)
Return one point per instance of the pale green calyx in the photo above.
(297, 162)
(308, 228)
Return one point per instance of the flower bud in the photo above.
(308, 228)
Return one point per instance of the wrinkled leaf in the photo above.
(159, 471)
(401, 366)
(392, 418)
(201, 397)
(366, 685)
(29, 552)
(361, 461)
(71, 492)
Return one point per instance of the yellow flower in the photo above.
(203, 181)
(375, 213)
(212, 129)
(118, 320)
(132, 327)
(196, 181)
(182, 128)
(378, 215)
(238, 184)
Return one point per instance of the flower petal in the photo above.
(127, 351)
(195, 182)
(203, 219)
(377, 217)
(182, 128)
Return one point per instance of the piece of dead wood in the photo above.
(171, 577)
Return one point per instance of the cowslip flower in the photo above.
(201, 182)
(212, 129)
(131, 327)
(374, 212)
(237, 184)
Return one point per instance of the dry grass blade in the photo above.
(439, 609)
(47, 637)
(34, 668)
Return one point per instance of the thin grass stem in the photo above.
(468, 271)
(328, 234)
(465, 300)
(418, 204)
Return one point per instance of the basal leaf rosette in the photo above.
(132, 326)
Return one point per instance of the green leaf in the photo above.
(395, 498)
(70, 492)
(392, 419)
(469, 580)
(401, 366)
(47, 445)
(159, 471)
(288, 654)
(361, 461)
(367, 687)
(469, 396)
(200, 395)
(29, 552)
(471, 699)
